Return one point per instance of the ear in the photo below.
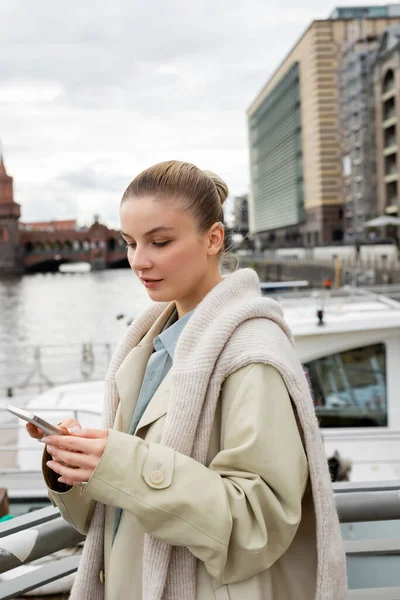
(216, 237)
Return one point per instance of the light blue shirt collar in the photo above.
(169, 338)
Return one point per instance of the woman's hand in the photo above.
(37, 434)
(76, 456)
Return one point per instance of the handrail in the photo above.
(32, 519)
(379, 501)
(47, 574)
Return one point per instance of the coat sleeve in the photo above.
(239, 514)
(75, 508)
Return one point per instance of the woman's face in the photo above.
(166, 251)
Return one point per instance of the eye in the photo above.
(131, 245)
(161, 244)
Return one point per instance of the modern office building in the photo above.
(387, 100)
(294, 134)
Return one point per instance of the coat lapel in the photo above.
(129, 376)
(158, 405)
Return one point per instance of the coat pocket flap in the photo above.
(158, 467)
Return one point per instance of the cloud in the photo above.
(127, 84)
(93, 178)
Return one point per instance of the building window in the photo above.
(350, 387)
(388, 81)
(389, 109)
(391, 164)
(390, 138)
(391, 194)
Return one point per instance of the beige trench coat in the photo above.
(247, 516)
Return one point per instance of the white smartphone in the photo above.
(46, 427)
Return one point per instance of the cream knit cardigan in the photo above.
(232, 327)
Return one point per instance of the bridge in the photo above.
(45, 250)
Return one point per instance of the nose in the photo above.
(139, 259)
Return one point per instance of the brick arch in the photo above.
(38, 247)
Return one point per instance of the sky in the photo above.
(93, 92)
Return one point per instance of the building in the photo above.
(241, 213)
(294, 134)
(357, 135)
(10, 211)
(387, 100)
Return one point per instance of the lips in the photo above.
(148, 280)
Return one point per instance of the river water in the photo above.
(58, 313)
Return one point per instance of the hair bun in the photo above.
(222, 188)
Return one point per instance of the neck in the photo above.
(188, 303)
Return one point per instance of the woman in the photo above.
(210, 480)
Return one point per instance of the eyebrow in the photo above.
(154, 230)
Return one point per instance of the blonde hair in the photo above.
(201, 192)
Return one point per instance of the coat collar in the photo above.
(169, 337)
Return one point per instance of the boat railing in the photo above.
(36, 368)
(42, 532)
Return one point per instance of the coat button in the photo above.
(156, 477)
(101, 576)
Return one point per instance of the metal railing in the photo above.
(36, 368)
(354, 502)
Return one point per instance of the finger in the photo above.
(70, 424)
(72, 476)
(91, 433)
(34, 432)
(75, 444)
(67, 442)
(73, 459)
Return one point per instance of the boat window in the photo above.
(350, 387)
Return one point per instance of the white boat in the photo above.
(353, 360)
